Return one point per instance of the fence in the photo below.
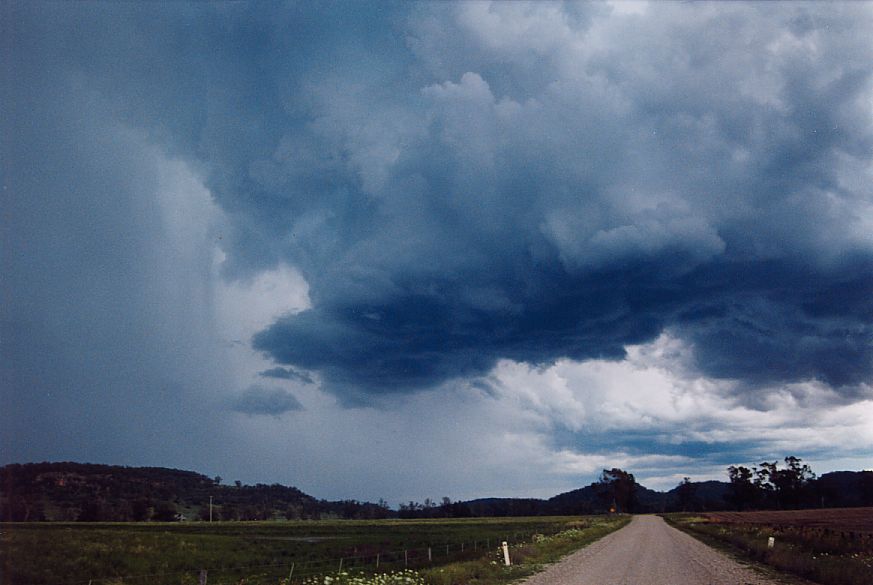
(294, 571)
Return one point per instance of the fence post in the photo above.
(506, 553)
(377, 559)
(340, 567)
(429, 556)
(771, 542)
(202, 576)
(405, 559)
(462, 547)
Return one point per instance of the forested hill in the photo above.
(91, 492)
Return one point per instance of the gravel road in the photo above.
(647, 552)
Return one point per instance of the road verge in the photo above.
(796, 559)
(528, 557)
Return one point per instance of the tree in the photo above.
(772, 486)
(764, 482)
(793, 482)
(743, 492)
(865, 487)
(686, 492)
(411, 510)
(787, 487)
(94, 510)
(140, 510)
(164, 512)
(618, 488)
(460, 510)
(228, 512)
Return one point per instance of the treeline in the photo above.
(793, 485)
(88, 492)
(616, 490)
(69, 492)
(769, 485)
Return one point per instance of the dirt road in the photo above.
(647, 552)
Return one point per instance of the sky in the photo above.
(463, 249)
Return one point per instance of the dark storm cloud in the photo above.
(785, 322)
(261, 400)
(569, 183)
(287, 374)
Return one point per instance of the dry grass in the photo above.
(831, 547)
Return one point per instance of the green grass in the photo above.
(528, 557)
(261, 552)
(808, 554)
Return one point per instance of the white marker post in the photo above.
(505, 553)
(771, 542)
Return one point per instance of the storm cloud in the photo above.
(691, 170)
(286, 374)
(463, 183)
(262, 400)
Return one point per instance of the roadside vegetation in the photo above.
(528, 557)
(830, 547)
(446, 551)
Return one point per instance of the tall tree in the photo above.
(785, 487)
(743, 492)
(619, 486)
(686, 492)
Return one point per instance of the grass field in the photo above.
(266, 552)
(829, 546)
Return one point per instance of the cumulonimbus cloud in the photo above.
(572, 181)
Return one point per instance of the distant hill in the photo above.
(836, 489)
(90, 492)
(593, 500)
(506, 507)
(846, 489)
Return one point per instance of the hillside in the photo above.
(90, 492)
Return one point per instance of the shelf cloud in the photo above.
(435, 190)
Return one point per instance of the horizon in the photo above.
(224, 482)
(406, 250)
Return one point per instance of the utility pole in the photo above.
(210, 508)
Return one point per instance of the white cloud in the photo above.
(246, 307)
(513, 439)
(654, 394)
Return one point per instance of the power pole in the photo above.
(210, 508)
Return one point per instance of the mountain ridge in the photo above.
(71, 491)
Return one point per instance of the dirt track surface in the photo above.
(647, 552)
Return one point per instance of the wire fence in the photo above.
(293, 571)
